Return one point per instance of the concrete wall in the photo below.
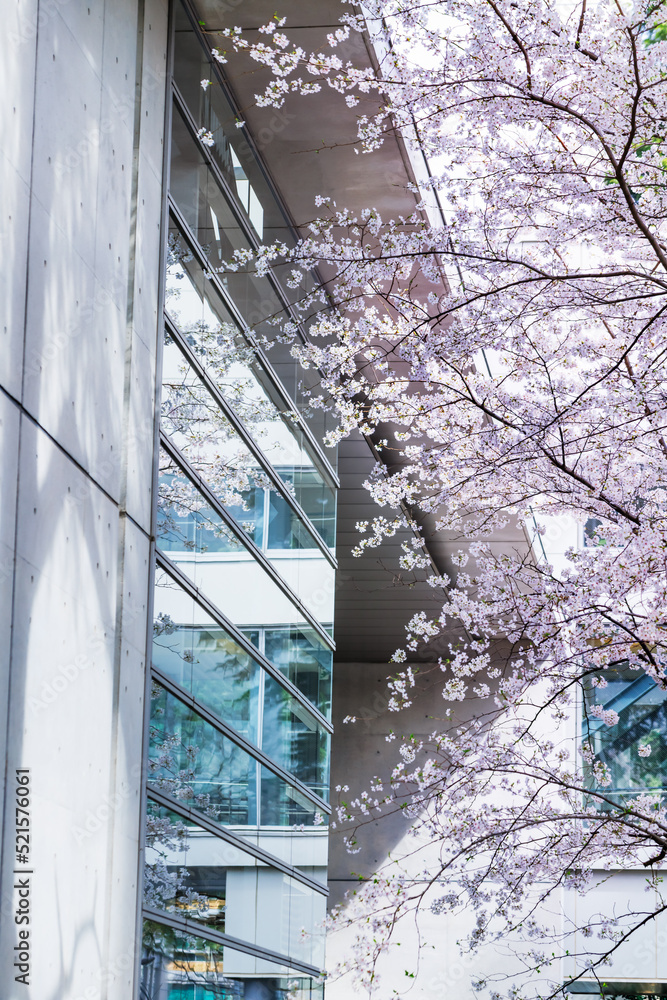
(83, 89)
(361, 751)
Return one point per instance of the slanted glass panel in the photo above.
(195, 652)
(225, 570)
(192, 418)
(208, 213)
(318, 501)
(293, 738)
(197, 426)
(203, 319)
(302, 657)
(191, 872)
(285, 806)
(232, 153)
(251, 195)
(234, 156)
(304, 385)
(191, 760)
(641, 706)
(175, 966)
(187, 523)
(202, 658)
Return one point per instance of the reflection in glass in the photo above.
(192, 649)
(190, 872)
(235, 159)
(302, 657)
(292, 738)
(641, 706)
(203, 319)
(186, 522)
(192, 761)
(209, 215)
(201, 544)
(175, 966)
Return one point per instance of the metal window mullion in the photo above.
(194, 928)
(184, 581)
(245, 436)
(203, 487)
(287, 401)
(188, 699)
(210, 825)
(260, 727)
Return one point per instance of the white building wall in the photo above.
(82, 120)
(430, 950)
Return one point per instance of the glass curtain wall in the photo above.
(238, 761)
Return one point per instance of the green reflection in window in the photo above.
(305, 660)
(293, 738)
(635, 748)
(192, 761)
(196, 653)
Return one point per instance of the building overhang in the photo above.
(310, 147)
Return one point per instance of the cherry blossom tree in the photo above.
(510, 363)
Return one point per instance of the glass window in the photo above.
(191, 760)
(208, 213)
(292, 737)
(191, 872)
(206, 325)
(231, 151)
(176, 966)
(196, 653)
(228, 573)
(302, 657)
(233, 154)
(186, 523)
(641, 706)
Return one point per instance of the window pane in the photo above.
(203, 319)
(192, 761)
(201, 657)
(232, 153)
(191, 872)
(252, 195)
(208, 213)
(641, 706)
(301, 656)
(186, 523)
(175, 966)
(291, 737)
(225, 571)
